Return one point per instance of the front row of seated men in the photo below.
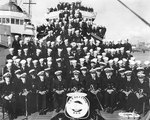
(41, 92)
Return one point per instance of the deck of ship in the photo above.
(50, 115)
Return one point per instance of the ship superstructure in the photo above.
(12, 15)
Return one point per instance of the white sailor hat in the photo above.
(29, 59)
(66, 40)
(47, 69)
(31, 71)
(14, 58)
(131, 62)
(121, 70)
(76, 72)
(58, 60)
(110, 61)
(85, 40)
(35, 39)
(116, 60)
(35, 61)
(122, 48)
(109, 50)
(98, 48)
(18, 71)
(128, 73)
(17, 60)
(69, 30)
(147, 63)
(41, 41)
(38, 50)
(92, 71)
(23, 61)
(52, 43)
(120, 62)
(112, 50)
(7, 75)
(16, 36)
(102, 64)
(19, 50)
(128, 51)
(68, 48)
(77, 31)
(74, 61)
(11, 49)
(117, 49)
(48, 42)
(108, 70)
(83, 68)
(85, 48)
(49, 58)
(91, 50)
(99, 56)
(10, 61)
(49, 62)
(105, 59)
(49, 50)
(103, 54)
(138, 62)
(82, 59)
(98, 69)
(124, 60)
(94, 60)
(87, 57)
(59, 72)
(97, 41)
(41, 73)
(73, 29)
(71, 58)
(23, 75)
(41, 59)
(25, 49)
(140, 69)
(95, 52)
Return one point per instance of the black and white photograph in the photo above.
(74, 59)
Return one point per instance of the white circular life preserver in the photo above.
(77, 106)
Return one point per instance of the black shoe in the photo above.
(58, 110)
(44, 113)
(108, 110)
(41, 112)
(111, 110)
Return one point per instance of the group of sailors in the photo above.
(44, 74)
(73, 5)
(70, 25)
(39, 72)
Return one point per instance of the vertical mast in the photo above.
(29, 6)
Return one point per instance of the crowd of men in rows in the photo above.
(70, 25)
(44, 74)
(73, 5)
(65, 57)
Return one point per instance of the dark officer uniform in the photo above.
(34, 87)
(76, 84)
(24, 89)
(93, 90)
(128, 91)
(110, 90)
(142, 92)
(42, 93)
(9, 96)
(59, 87)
